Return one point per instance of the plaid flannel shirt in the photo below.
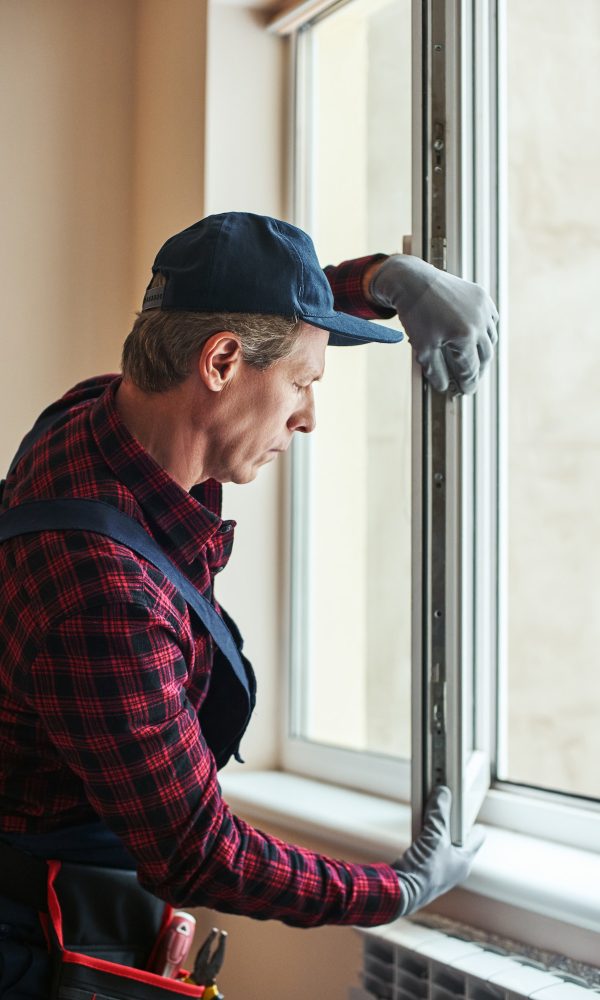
(103, 673)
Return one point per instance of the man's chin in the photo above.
(250, 471)
(245, 476)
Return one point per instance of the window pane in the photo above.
(553, 734)
(357, 692)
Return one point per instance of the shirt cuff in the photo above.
(346, 280)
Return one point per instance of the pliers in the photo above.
(208, 964)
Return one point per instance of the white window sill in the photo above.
(545, 878)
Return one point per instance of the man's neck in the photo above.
(162, 423)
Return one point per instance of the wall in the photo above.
(168, 165)
(68, 111)
(102, 114)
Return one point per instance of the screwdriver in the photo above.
(174, 944)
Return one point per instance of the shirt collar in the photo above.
(186, 524)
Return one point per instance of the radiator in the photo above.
(407, 960)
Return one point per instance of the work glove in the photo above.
(432, 864)
(450, 323)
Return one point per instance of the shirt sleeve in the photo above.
(346, 280)
(110, 686)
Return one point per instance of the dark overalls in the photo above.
(25, 968)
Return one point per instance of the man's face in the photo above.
(261, 410)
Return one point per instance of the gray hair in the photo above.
(159, 352)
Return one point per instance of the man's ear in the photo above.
(220, 357)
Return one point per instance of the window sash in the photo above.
(450, 745)
(458, 762)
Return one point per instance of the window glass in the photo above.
(552, 735)
(356, 594)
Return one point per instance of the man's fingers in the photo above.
(435, 370)
(459, 364)
(463, 365)
(492, 332)
(485, 350)
(437, 811)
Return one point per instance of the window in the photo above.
(486, 505)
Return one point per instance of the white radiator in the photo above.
(409, 961)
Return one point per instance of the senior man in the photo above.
(123, 686)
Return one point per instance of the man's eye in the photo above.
(299, 387)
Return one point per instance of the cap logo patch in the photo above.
(153, 298)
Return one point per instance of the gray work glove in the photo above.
(450, 323)
(432, 864)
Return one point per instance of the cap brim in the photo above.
(345, 330)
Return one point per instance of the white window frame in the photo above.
(475, 206)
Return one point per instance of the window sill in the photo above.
(535, 875)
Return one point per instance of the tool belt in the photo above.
(101, 928)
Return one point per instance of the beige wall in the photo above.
(168, 166)
(67, 110)
(102, 119)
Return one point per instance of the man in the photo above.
(118, 706)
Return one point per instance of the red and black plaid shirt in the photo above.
(102, 675)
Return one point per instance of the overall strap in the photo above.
(104, 519)
(43, 423)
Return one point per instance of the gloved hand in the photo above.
(450, 323)
(432, 864)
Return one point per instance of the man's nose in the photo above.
(304, 419)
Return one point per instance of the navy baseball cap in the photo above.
(241, 262)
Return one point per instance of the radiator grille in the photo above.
(408, 961)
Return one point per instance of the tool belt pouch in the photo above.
(101, 928)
